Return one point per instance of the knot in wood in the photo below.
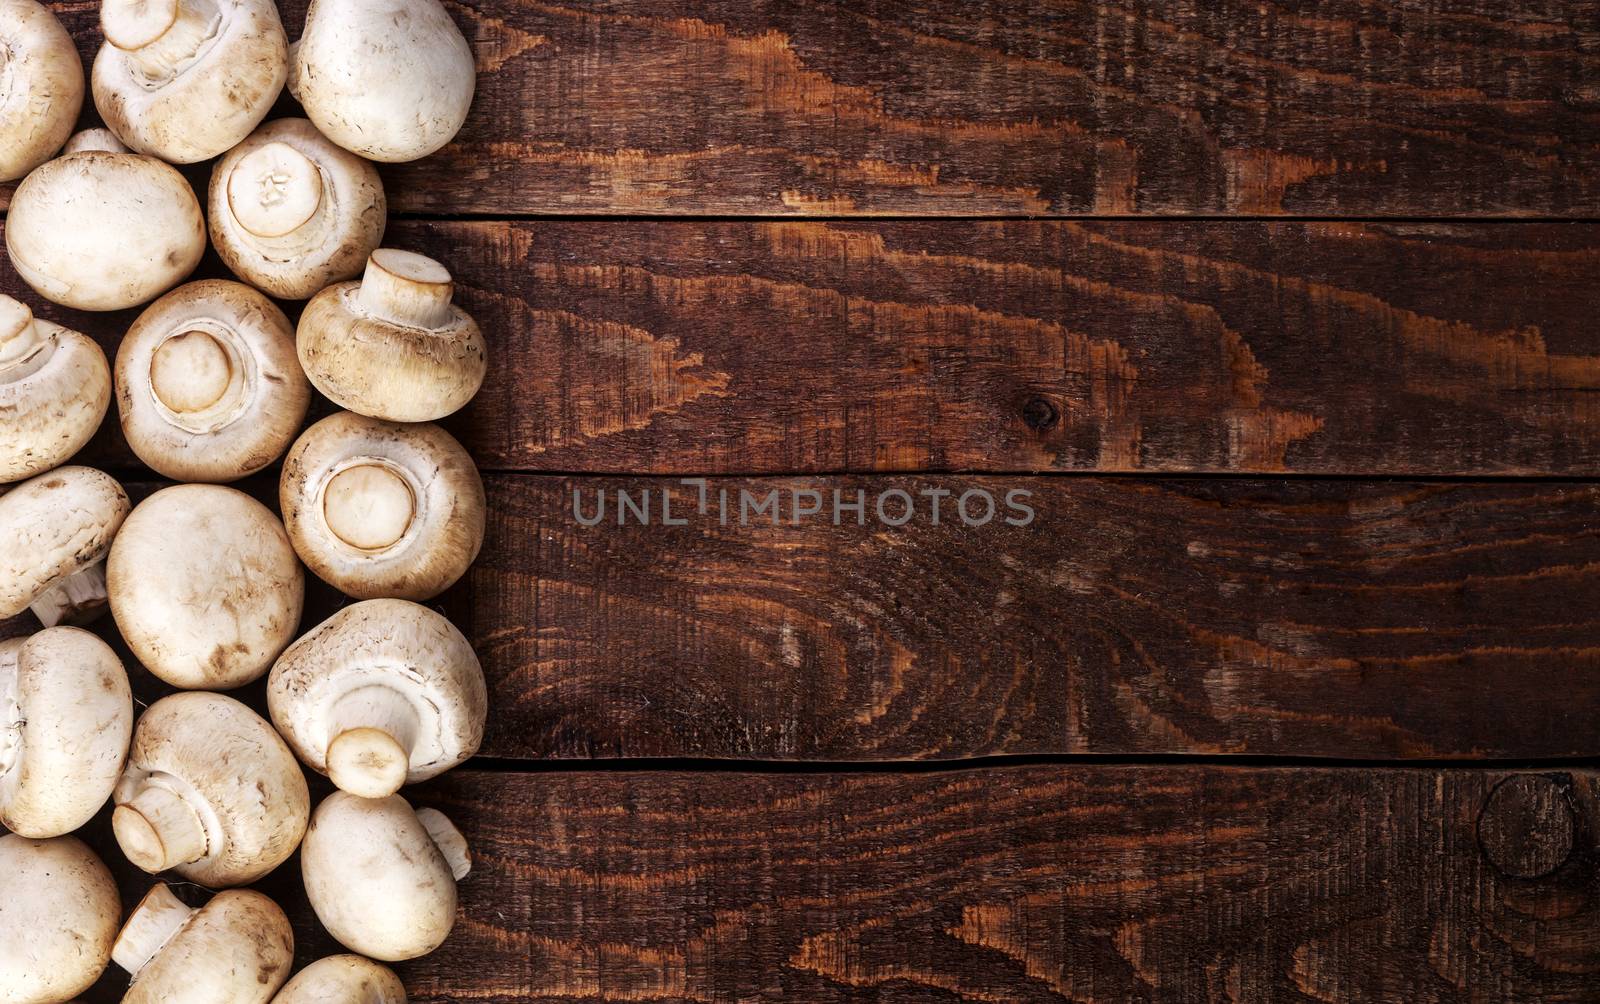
(1041, 414)
(1526, 827)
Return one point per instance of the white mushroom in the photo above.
(58, 528)
(54, 390)
(391, 80)
(210, 792)
(65, 716)
(98, 230)
(90, 140)
(237, 949)
(393, 346)
(292, 213)
(58, 915)
(41, 86)
(382, 878)
(382, 509)
(343, 979)
(381, 694)
(208, 384)
(185, 80)
(204, 586)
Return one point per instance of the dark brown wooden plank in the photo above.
(1333, 107)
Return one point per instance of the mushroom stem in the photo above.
(18, 333)
(274, 190)
(158, 917)
(158, 829)
(407, 289)
(449, 840)
(160, 36)
(374, 729)
(77, 599)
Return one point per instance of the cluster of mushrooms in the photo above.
(206, 584)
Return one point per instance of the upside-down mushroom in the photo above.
(343, 979)
(208, 385)
(58, 528)
(55, 387)
(58, 916)
(41, 86)
(237, 949)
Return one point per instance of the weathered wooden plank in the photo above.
(1333, 107)
(1242, 347)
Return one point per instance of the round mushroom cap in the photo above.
(210, 791)
(391, 80)
(344, 979)
(204, 586)
(104, 231)
(386, 664)
(382, 509)
(58, 918)
(393, 346)
(377, 879)
(237, 949)
(55, 526)
(185, 80)
(41, 86)
(90, 140)
(55, 387)
(65, 716)
(292, 213)
(208, 384)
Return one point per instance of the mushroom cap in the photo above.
(208, 384)
(55, 526)
(199, 85)
(393, 644)
(54, 390)
(237, 949)
(68, 694)
(58, 919)
(104, 231)
(391, 80)
(392, 345)
(228, 764)
(204, 586)
(338, 218)
(376, 879)
(41, 86)
(89, 140)
(382, 509)
(345, 979)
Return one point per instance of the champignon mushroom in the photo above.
(381, 694)
(291, 212)
(54, 390)
(98, 230)
(346, 979)
(58, 916)
(381, 877)
(91, 140)
(41, 86)
(381, 509)
(237, 949)
(184, 80)
(204, 586)
(210, 792)
(65, 716)
(393, 346)
(58, 528)
(391, 80)
(208, 384)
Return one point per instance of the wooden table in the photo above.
(1290, 691)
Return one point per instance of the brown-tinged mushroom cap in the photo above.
(41, 86)
(104, 231)
(393, 346)
(237, 949)
(381, 877)
(204, 586)
(184, 80)
(382, 509)
(58, 916)
(54, 390)
(210, 792)
(208, 384)
(65, 716)
(343, 979)
(292, 212)
(58, 528)
(381, 694)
